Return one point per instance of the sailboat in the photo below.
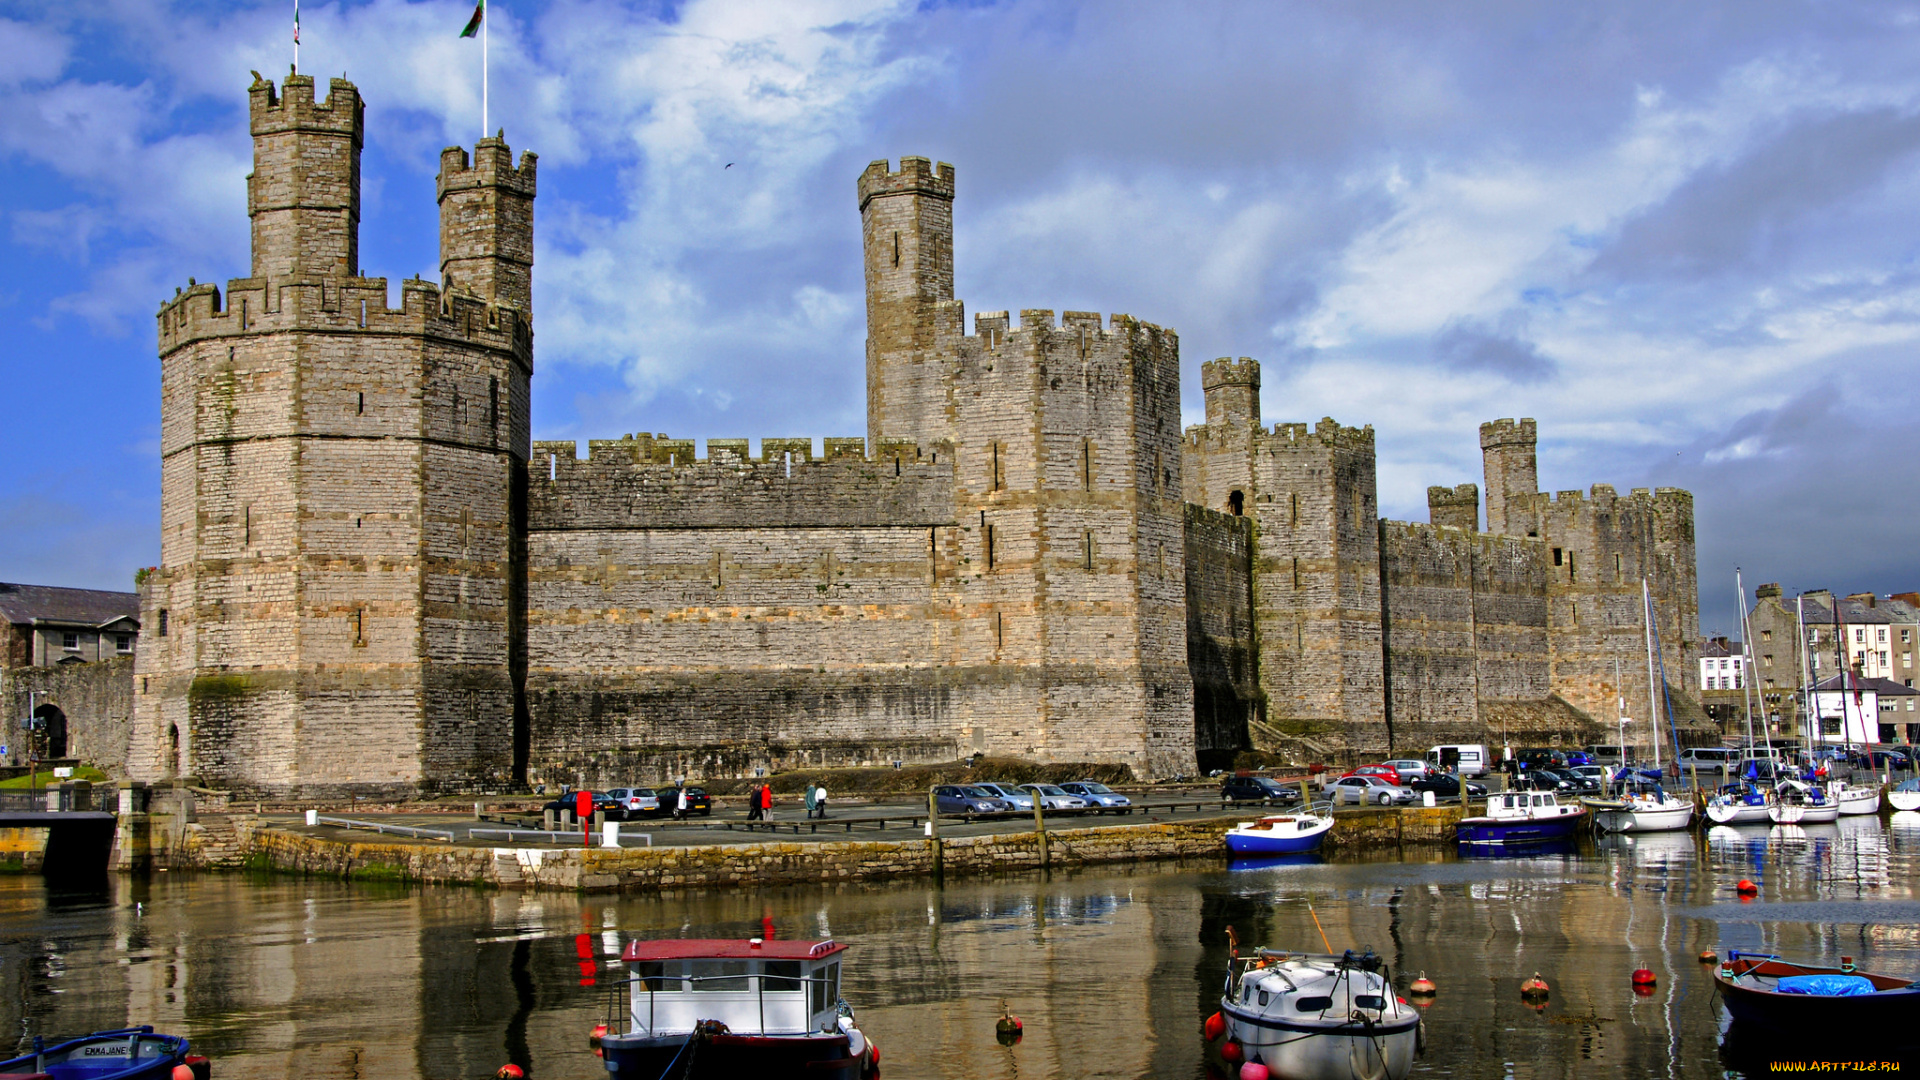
(1743, 802)
(1659, 811)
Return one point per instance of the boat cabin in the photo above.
(1527, 804)
(754, 987)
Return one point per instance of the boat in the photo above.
(1905, 795)
(134, 1053)
(1279, 834)
(1854, 799)
(1767, 995)
(1797, 803)
(1315, 1016)
(1641, 813)
(1521, 817)
(729, 1008)
(1741, 804)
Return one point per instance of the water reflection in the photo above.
(1111, 971)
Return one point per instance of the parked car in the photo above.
(698, 802)
(1010, 792)
(1366, 788)
(1885, 757)
(1563, 781)
(633, 803)
(1541, 757)
(1390, 775)
(1467, 759)
(1600, 774)
(1578, 757)
(1099, 796)
(968, 800)
(1406, 768)
(1054, 798)
(1446, 786)
(1257, 789)
(603, 803)
(1713, 759)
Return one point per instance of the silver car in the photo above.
(1020, 799)
(1099, 796)
(1367, 788)
(1408, 768)
(1054, 798)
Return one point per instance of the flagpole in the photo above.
(483, 75)
(296, 37)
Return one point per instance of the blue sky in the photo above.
(1682, 236)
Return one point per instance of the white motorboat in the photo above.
(1308, 1016)
(1906, 795)
(1854, 799)
(1796, 803)
(1642, 813)
(1747, 806)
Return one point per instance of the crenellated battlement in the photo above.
(995, 329)
(643, 449)
(338, 305)
(490, 166)
(1227, 371)
(916, 176)
(1327, 433)
(292, 107)
(1508, 433)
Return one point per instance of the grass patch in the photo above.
(378, 873)
(45, 776)
(12, 866)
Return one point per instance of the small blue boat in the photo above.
(1279, 834)
(122, 1054)
(1522, 817)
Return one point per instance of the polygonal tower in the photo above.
(340, 587)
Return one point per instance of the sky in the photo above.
(1681, 236)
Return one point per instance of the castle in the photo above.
(373, 582)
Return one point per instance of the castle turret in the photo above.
(486, 223)
(1508, 450)
(1456, 507)
(304, 192)
(906, 221)
(1233, 391)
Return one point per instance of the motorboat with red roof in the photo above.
(732, 1008)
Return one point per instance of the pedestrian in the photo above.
(820, 799)
(753, 803)
(810, 800)
(680, 803)
(766, 801)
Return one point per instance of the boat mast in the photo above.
(1653, 701)
(1810, 711)
(1746, 654)
(1840, 659)
(1620, 697)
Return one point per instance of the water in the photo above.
(1112, 971)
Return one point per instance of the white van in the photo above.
(1714, 759)
(1467, 759)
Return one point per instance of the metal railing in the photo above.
(381, 827)
(554, 836)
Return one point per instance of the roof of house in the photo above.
(26, 604)
(1819, 611)
(1721, 647)
(1883, 687)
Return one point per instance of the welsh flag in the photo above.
(473, 24)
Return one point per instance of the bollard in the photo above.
(1426, 797)
(313, 817)
(933, 832)
(479, 811)
(1040, 829)
(609, 833)
(547, 822)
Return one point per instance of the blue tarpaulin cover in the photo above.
(1826, 985)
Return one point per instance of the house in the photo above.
(49, 625)
(66, 663)
(1855, 709)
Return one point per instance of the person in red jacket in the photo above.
(766, 800)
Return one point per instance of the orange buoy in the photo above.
(1215, 1027)
(1746, 888)
(1422, 986)
(183, 1072)
(1708, 956)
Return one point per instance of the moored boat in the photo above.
(1773, 997)
(1796, 803)
(1743, 805)
(1315, 1016)
(1521, 817)
(1641, 813)
(1279, 834)
(732, 1008)
(1854, 799)
(120, 1054)
(1905, 795)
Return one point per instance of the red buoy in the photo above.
(510, 1071)
(1642, 977)
(1535, 987)
(1746, 888)
(1253, 1070)
(183, 1072)
(1215, 1027)
(1422, 986)
(1708, 956)
(1231, 1051)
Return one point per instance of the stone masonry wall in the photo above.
(96, 698)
